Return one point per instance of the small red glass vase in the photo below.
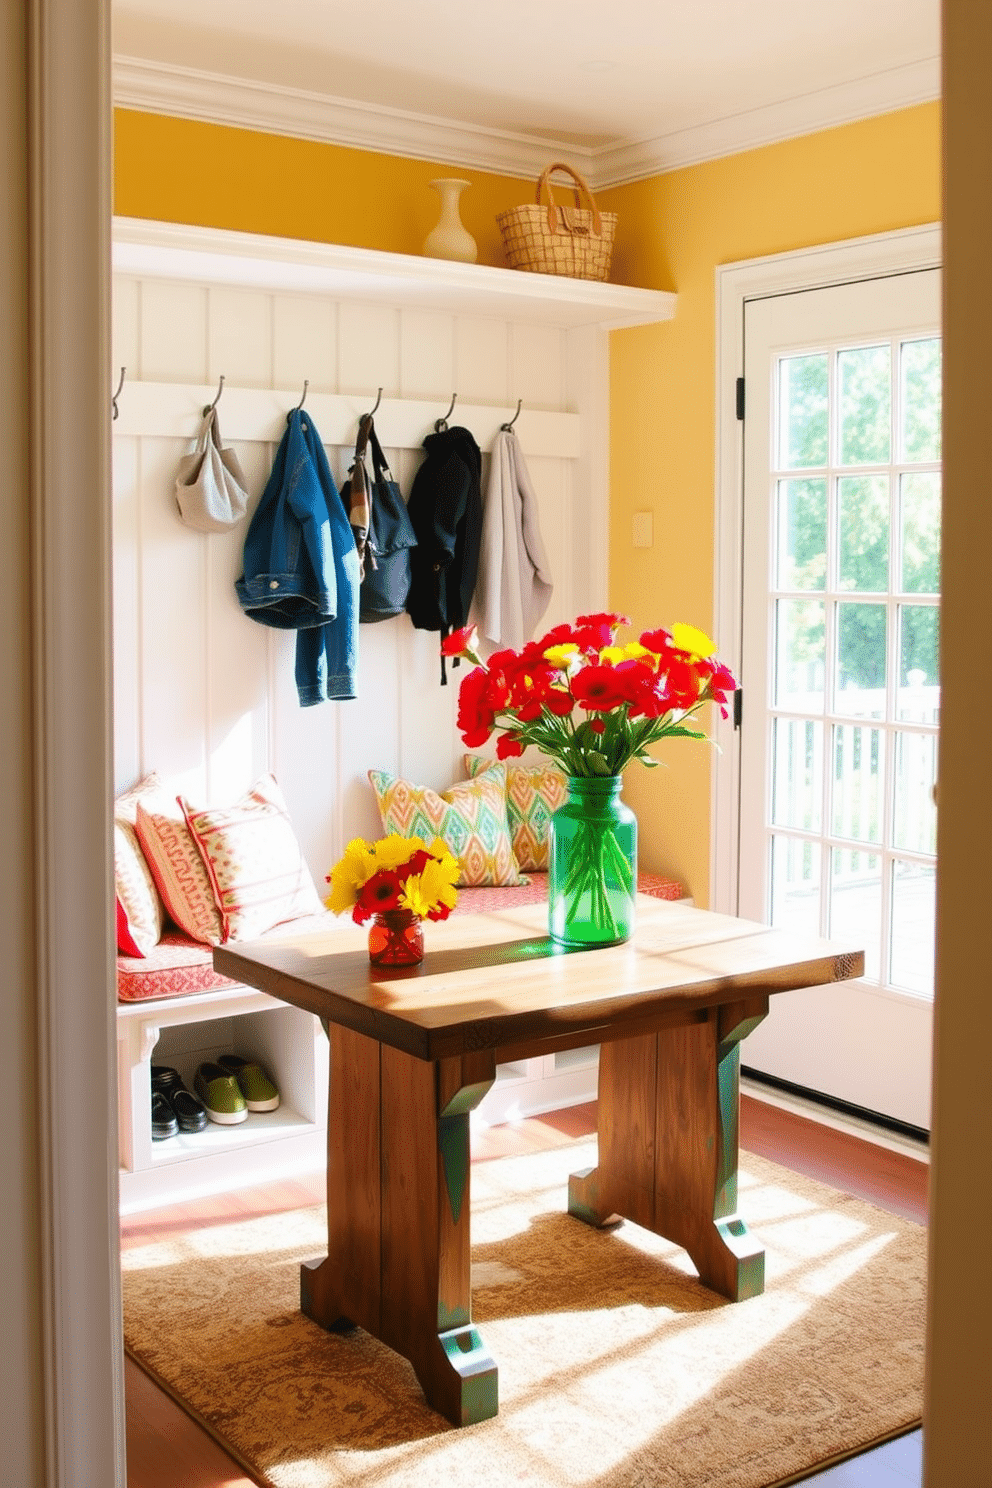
(396, 938)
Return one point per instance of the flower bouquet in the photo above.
(592, 705)
(397, 882)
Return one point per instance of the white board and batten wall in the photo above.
(203, 694)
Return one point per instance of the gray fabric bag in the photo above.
(211, 490)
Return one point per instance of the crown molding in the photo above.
(827, 108)
(214, 98)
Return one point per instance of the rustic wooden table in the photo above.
(414, 1050)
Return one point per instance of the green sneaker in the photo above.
(220, 1094)
(259, 1091)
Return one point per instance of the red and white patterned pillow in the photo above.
(177, 866)
(257, 872)
(140, 913)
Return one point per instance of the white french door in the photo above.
(839, 670)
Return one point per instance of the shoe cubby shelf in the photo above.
(184, 1032)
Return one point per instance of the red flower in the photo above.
(721, 684)
(508, 745)
(682, 682)
(559, 702)
(476, 717)
(603, 617)
(598, 687)
(640, 685)
(378, 893)
(464, 642)
(414, 864)
(659, 641)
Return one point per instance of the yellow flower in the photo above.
(347, 876)
(425, 891)
(393, 851)
(613, 655)
(561, 656)
(696, 642)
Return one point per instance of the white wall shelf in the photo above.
(249, 260)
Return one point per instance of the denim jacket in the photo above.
(301, 568)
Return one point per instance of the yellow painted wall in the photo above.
(673, 230)
(870, 177)
(181, 170)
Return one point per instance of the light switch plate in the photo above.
(643, 529)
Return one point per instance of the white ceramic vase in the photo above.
(450, 238)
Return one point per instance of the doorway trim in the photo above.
(903, 251)
(64, 272)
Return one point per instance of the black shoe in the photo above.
(187, 1110)
(164, 1120)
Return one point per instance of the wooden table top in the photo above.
(497, 981)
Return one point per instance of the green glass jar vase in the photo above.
(592, 875)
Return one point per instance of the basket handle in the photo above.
(581, 186)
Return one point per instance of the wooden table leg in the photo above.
(668, 1144)
(398, 1216)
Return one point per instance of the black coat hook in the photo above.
(375, 405)
(306, 384)
(209, 408)
(113, 401)
(442, 423)
(508, 427)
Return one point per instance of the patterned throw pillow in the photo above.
(257, 872)
(470, 818)
(533, 794)
(140, 913)
(175, 861)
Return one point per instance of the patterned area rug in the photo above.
(616, 1367)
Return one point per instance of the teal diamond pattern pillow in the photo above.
(470, 818)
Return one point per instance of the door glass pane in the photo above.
(863, 508)
(915, 816)
(914, 903)
(865, 405)
(798, 774)
(921, 399)
(856, 902)
(795, 884)
(857, 796)
(802, 403)
(801, 542)
(918, 696)
(859, 681)
(919, 525)
(800, 655)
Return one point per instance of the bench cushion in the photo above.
(481, 901)
(176, 967)
(180, 967)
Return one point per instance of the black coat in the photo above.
(445, 509)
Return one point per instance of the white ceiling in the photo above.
(603, 77)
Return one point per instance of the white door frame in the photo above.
(63, 1411)
(903, 251)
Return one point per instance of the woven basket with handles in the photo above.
(548, 239)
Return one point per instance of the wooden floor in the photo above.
(166, 1449)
